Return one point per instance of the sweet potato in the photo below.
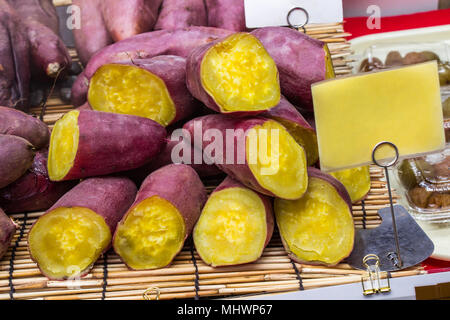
(18, 123)
(317, 228)
(356, 181)
(126, 18)
(7, 230)
(179, 14)
(154, 229)
(152, 88)
(33, 191)
(88, 143)
(42, 11)
(305, 135)
(16, 156)
(226, 14)
(178, 42)
(234, 75)
(14, 60)
(258, 152)
(301, 61)
(235, 226)
(92, 34)
(67, 240)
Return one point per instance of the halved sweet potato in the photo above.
(317, 228)
(260, 153)
(234, 75)
(305, 135)
(7, 230)
(235, 226)
(356, 181)
(152, 88)
(166, 209)
(88, 143)
(68, 239)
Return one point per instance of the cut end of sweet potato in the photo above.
(131, 90)
(240, 75)
(356, 181)
(67, 241)
(318, 228)
(277, 161)
(329, 69)
(63, 146)
(151, 234)
(232, 228)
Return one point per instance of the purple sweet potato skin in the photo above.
(16, 157)
(287, 111)
(14, 60)
(92, 35)
(172, 70)
(42, 11)
(236, 170)
(178, 42)
(7, 230)
(33, 191)
(17, 123)
(126, 18)
(300, 61)
(226, 14)
(110, 143)
(179, 14)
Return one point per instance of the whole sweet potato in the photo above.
(235, 226)
(126, 18)
(68, 239)
(179, 14)
(234, 75)
(88, 143)
(258, 152)
(153, 88)
(178, 42)
(42, 11)
(301, 61)
(92, 34)
(7, 230)
(33, 191)
(226, 14)
(16, 157)
(18, 123)
(163, 215)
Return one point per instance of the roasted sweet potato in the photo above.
(305, 135)
(301, 61)
(126, 18)
(18, 123)
(68, 239)
(88, 143)
(258, 152)
(356, 181)
(152, 88)
(235, 226)
(317, 228)
(226, 14)
(179, 14)
(16, 157)
(92, 34)
(42, 11)
(178, 42)
(33, 191)
(153, 231)
(234, 75)
(7, 230)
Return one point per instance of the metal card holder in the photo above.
(375, 281)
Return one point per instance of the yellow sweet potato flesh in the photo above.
(66, 241)
(355, 180)
(131, 90)
(232, 228)
(63, 146)
(329, 69)
(240, 75)
(319, 226)
(151, 235)
(277, 161)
